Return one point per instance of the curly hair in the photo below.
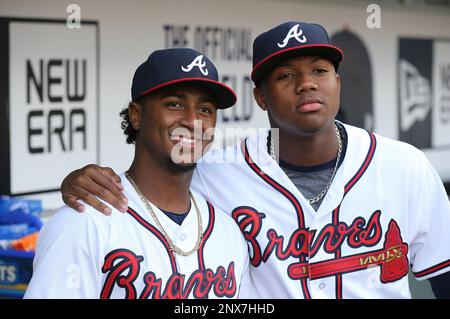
(127, 128)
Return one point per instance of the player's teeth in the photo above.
(185, 140)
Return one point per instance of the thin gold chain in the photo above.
(172, 245)
(327, 186)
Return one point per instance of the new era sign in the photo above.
(424, 92)
(48, 102)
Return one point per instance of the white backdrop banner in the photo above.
(53, 102)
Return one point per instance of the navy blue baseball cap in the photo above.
(177, 65)
(288, 40)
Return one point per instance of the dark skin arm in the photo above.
(90, 182)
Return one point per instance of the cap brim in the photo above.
(224, 95)
(330, 52)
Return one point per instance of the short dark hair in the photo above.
(127, 128)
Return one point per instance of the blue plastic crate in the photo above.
(11, 203)
(16, 269)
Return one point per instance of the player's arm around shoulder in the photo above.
(69, 255)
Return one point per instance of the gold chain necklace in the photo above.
(271, 150)
(172, 246)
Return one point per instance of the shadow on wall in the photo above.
(355, 71)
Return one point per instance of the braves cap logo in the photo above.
(198, 62)
(295, 33)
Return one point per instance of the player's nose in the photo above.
(305, 83)
(189, 117)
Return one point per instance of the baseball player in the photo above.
(328, 210)
(168, 243)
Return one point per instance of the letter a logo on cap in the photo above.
(294, 32)
(198, 62)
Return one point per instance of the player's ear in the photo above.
(260, 98)
(135, 114)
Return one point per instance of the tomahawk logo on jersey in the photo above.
(386, 209)
(126, 256)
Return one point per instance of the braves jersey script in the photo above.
(385, 211)
(126, 256)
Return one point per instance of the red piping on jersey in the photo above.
(274, 184)
(363, 168)
(157, 234)
(208, 231)
(285, 193)
(348, 187)
(297, 205)
(432, 269)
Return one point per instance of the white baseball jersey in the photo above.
(90, 255)
(386, 209)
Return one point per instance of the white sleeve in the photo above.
(68, 259)
(430, 212)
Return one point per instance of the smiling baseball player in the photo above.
(171, 243)
(338, 212)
